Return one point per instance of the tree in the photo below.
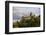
(34, 21)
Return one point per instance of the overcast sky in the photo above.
(24, 11)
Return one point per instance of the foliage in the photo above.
(34, 21)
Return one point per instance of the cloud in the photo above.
(23, 11)
(26, 10)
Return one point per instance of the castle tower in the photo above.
(30, 13)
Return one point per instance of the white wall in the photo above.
(2, 16)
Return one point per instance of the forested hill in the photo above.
(29, 21)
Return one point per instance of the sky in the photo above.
(24, 11)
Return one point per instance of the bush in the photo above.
(34, 21)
